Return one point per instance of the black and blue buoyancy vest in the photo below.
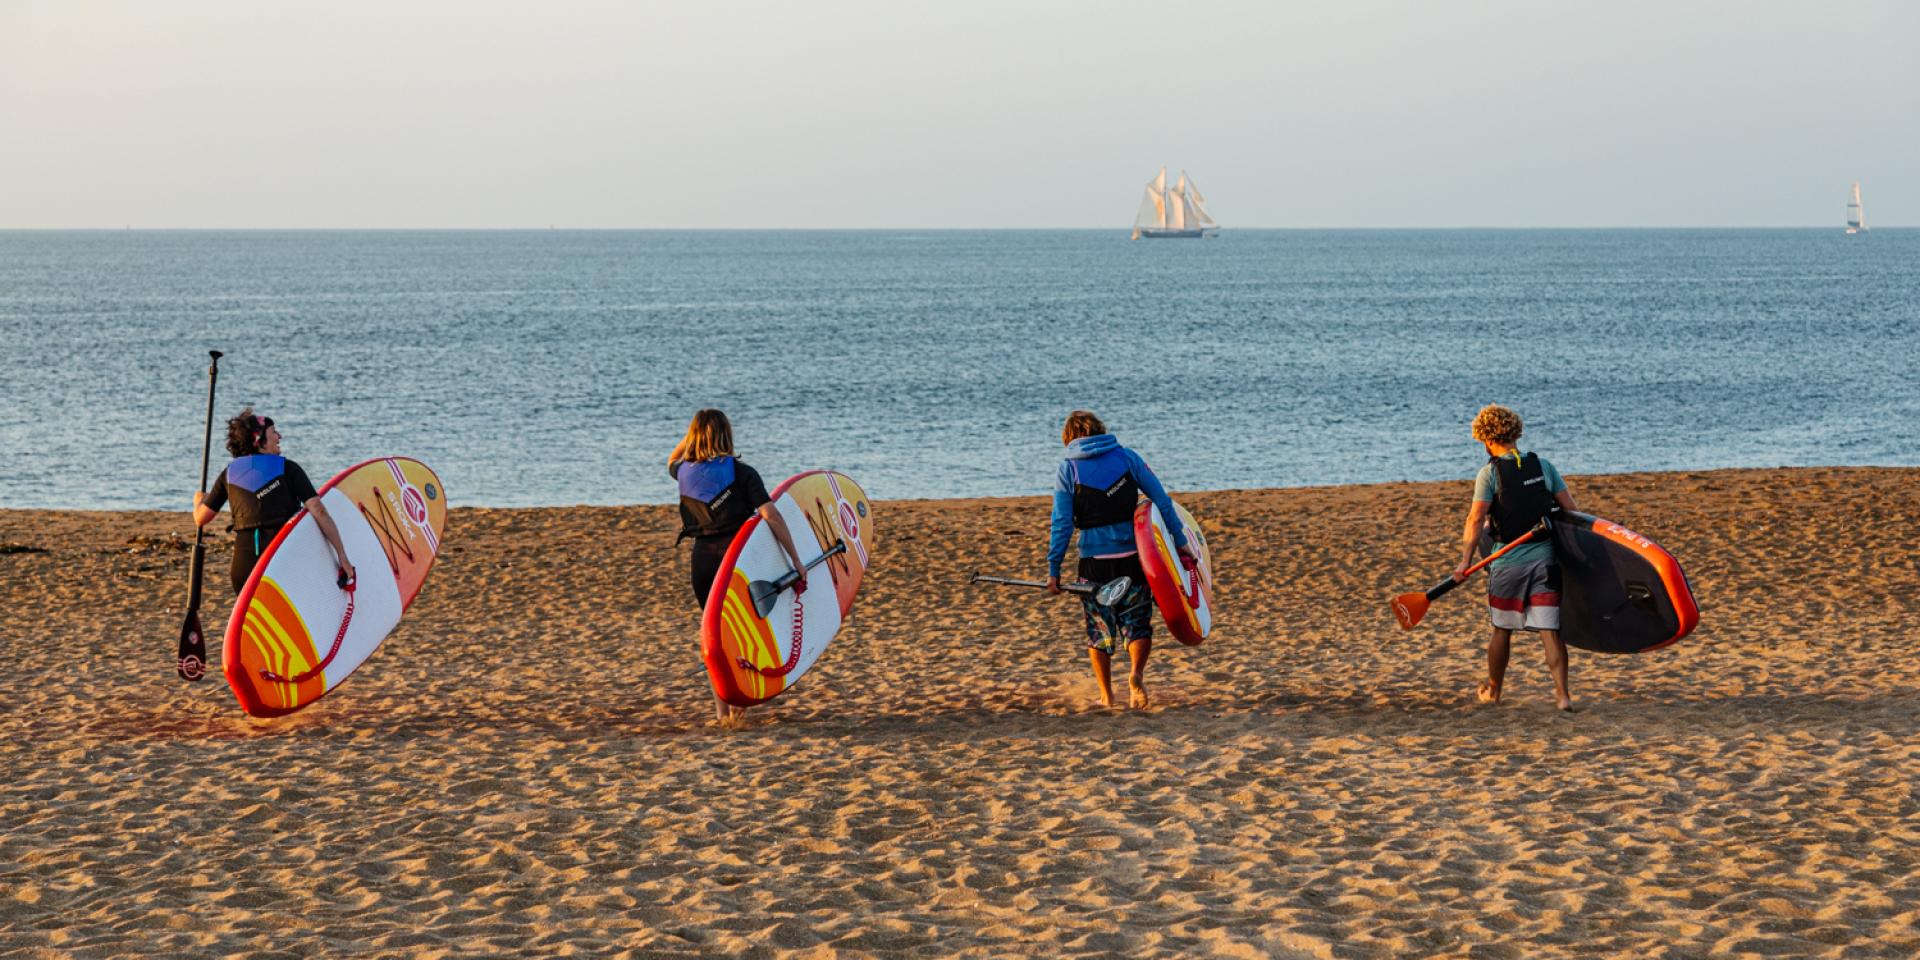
(261, 491)
(1521, 498)
(713, 499)
(1104, 490)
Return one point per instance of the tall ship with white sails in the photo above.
(1179, 213)
(1856, 215)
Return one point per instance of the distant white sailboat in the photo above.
(1856, 215)
(1179, 213)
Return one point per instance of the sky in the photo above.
(1027, 114)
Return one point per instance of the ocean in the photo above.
(558, 368)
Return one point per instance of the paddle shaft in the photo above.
(1440, 589)
(206, 458)
(1075, 587)
(791, 576)
(191, 656)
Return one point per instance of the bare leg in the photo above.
(1498, 650)
(1103, 672)
(728, 714)
(1557, 663)
(1137, 677)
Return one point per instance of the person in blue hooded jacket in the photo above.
(1099, 485)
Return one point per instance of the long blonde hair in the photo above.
(709, 437)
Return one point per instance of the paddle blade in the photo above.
(193, 648)
(764, 593)
(1409, 608)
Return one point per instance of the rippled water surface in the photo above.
(560, 368)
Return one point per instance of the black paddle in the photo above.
(1105, 594)
(764, 591)
(192, 659)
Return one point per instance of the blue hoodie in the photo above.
(1098, 461)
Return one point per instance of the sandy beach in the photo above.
(529, 763)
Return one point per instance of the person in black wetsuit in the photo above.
(265, 490)
(717, 495)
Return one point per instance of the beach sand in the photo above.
(529, 765)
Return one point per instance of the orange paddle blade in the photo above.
(1408, 608)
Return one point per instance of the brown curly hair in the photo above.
(1081, 423)
(1497, 425)
(246, 432)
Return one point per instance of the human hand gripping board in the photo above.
(297, 633)
(1182, 589)
(757, 636)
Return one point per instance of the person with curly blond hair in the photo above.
(1511, 494)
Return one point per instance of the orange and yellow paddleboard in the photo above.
(753, 657)
(296, 634)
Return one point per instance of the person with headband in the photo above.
(718, 493)
(1095, 492)
(265, 490)
(1511, 494)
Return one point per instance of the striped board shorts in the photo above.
(1524, 596)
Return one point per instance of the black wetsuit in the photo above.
(716, 499)
(266, 491)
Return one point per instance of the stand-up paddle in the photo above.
(764, 592)
(192, 658)
(1409, 608)
(1105, 594)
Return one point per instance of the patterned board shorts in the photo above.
(1524, 596)
(1110, 628)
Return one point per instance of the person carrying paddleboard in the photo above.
(1512, 493)
(266, 490)
(1095, 492)
(717, 495)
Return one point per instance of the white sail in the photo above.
(1153, 207)
(1856, 214)
(1179, 211)
(1198, 212)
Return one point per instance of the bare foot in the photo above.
(1489, 692)
(1136, 696)
(1566, 705)
(1106, 698)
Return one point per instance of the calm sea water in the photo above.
(560, 368)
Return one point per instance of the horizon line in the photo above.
(555, 228)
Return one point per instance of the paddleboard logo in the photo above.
(849, 519)
(416, 507)
(192, 668)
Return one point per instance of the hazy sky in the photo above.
(809, 113)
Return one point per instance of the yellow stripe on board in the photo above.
(283, 650)
(747, 641)
(273, 645)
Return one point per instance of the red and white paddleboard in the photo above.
(1183, 593)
